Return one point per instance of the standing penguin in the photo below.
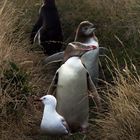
(48, 28)
(85, 34)
(72, 83)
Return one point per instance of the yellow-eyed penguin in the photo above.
(52, 123)
(85, 34)
(72, 83)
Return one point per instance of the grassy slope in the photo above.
(23, 76)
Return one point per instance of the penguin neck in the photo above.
(82, 38)
(88, 40)
(85, 39)
(73, 61)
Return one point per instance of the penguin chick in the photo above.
(52, 123)
(85, 34)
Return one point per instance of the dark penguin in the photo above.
(48, 28)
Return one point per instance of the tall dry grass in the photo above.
(17, 74)
(121, 121)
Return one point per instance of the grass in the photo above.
(23, 77)
(122, 118)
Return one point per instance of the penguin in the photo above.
(85, 34)
(47, 29)
(72, 83)
(52, 123)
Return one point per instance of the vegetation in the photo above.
(23, 77)
(122, 121)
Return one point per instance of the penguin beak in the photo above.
(92, 29)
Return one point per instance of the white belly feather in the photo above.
(72, 91)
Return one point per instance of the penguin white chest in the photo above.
(72, 76)
(72, 92)
(91, 42)
(91, 59)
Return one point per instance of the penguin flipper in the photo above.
(35, 29)
(57, 57)
(102, 51)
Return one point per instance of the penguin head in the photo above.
(84, 30)
(49, 100)
(76, 49)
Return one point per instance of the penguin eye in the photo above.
(85, 28)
